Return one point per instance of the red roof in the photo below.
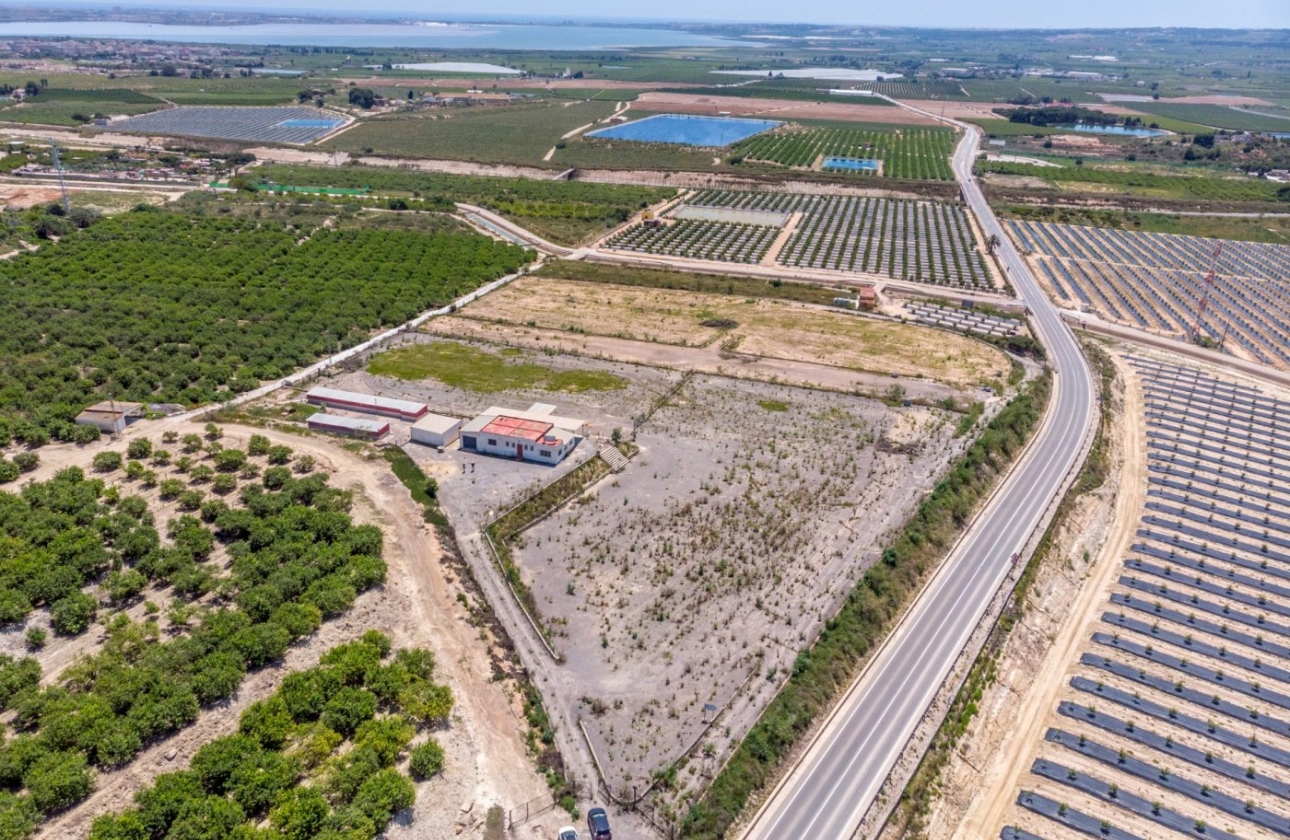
(534, 430)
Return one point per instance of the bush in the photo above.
(57, 780)
(348, 708)
(267, 721)
(106, 462)
(383, 795)
(71, 614)
(16, 675)
(425, 760)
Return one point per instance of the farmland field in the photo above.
(928, 241)
(495, 134)
(1129, 182)
(1219, 116)
(128, 306)
(913, 153)
(775, 329)
(1171, 717)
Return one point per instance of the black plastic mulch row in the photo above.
(1200, 646)
(1166, 614)
(1183, 564)
(1130, 802)
(1237, 556)
(1197, 603)
(1196, 514)
(1213, 582)
(1165, 443)
(1194, 472)
(1065, 815)
(1212, 702)
(1171, 527)
(1209, 729)
(1209, 501)
(1168, 746)
(1165, 777)
(1182, 666)
(1164, 475)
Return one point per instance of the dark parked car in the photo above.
(598, 824)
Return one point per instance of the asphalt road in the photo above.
(833, 786)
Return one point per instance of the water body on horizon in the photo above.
(415, 36)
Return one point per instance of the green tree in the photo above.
(348, 708)
(383, 795)
(58, 780)
(425, 760)
(71, 614)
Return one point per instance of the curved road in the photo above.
(828, 793)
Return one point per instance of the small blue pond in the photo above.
(1118, 130)
(309, 123)
(849, 164)
(686, 130)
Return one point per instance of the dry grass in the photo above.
(765, 328)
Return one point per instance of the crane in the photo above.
(1204, 300)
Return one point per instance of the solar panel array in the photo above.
(1155, 281)
(293, 125)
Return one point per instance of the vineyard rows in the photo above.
(911, 153)
(924, 241)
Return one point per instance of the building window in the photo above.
(545, 453)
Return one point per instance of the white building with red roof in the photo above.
(536, 434)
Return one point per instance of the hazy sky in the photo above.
(949, 13)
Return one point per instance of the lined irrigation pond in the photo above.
(686, 130)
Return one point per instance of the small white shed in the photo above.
(436, 430)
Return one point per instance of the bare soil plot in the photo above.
(763, 328)
(696, 575)
(689, 103)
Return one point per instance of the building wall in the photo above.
(505, 447)
(431, 438)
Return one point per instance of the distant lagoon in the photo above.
(415, 36)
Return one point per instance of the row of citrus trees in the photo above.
(294, 559)
(156, 307)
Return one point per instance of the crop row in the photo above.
(315, 759)
(293, 558)
(1197, 638)
(155, 307)
(913, 153)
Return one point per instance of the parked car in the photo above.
(598, 824)
(568, 833)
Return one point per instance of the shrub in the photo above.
(383, 795)
(267, 721)
(425, 760)
(348, 708)
(106, 462)
(71, 614)
(57, 780)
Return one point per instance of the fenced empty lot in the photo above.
(1177, 714)
(1154, 281)
(253, 125)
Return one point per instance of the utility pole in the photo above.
(58, 167)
